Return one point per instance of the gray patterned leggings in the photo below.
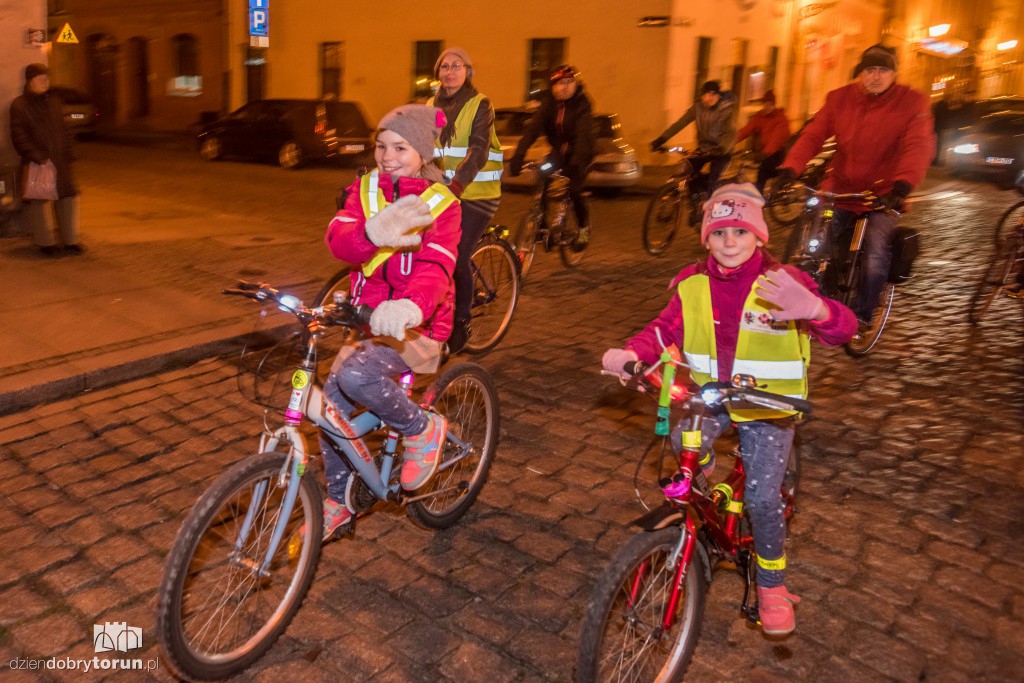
(765, 445)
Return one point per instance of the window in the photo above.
(423, 83)
(739, 67)
(545, 55)
(331, 60)
(703, 63)
(186, 54)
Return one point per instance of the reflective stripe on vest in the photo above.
(776, 353)
(437, 197)
(487, 182)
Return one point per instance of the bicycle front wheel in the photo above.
(1008, 225)
(464, 394)
(218, 611)
(623, 638)
(662, 218)
(784, 206)
(495, 269)
(525, 242)
(1002, 270)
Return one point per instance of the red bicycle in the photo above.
(644, 616)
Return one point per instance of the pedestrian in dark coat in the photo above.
(40, 135)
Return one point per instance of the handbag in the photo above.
(41, 182)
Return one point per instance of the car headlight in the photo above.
(966, 148)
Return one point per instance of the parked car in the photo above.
(80, 113)
(292, 132)
(615, 165)
(993, 147)
(996, 104)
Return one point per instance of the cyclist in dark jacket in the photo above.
(566, 117)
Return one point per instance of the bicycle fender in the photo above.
(660, 517)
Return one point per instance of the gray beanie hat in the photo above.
(418, 124)
(876, 55)
(463, 57)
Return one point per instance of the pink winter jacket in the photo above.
(422, 274)
(729, 292)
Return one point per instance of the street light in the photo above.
(938, 30)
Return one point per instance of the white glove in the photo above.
(614, 360)
(398, 225)
(790, 299)
(393, 318)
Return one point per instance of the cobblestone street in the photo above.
(907, 549)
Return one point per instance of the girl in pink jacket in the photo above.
(400, 229)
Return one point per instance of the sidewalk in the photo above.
(101, 319)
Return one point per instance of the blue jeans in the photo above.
(365, 378)
(875, 259)
(765, 446)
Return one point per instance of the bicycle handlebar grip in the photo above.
(797, 404)
(361, 314)
(235, 292)
(634, 368)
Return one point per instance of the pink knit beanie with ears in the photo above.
(418, 124)
(736, 205)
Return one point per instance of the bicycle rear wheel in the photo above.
(662, 218)
(464, 394)
(495, 269)
(217, 612)
(622, 636)
(1002, 270)
(784, 206)
(525, 242)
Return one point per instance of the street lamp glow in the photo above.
(1008, 45)
(938, 30)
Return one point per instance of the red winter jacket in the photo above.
(422, 274)
(772, 130)
(880, 139)
(729, 291)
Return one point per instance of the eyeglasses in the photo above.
(457, 66)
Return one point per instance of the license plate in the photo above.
(999, 161)
(353, 148)
(78, 116)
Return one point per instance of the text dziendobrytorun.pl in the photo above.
(85, 665)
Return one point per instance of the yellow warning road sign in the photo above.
(67, 35)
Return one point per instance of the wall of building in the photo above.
(645, 75)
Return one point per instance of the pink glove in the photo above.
(790, 300)
(614, 360)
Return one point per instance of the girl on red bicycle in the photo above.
(740, 311)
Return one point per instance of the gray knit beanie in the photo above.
(418, 124)
(876, 55)
(463, 57)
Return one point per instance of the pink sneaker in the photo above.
(423, 452)
(336, 515)
(775, 606)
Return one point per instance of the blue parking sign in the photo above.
(259, 18)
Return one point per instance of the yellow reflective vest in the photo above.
(776, 353)
(487, 182)
(437, 197)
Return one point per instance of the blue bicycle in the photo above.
(247, 552)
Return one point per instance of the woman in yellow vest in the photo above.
(469, 155)
(741, 312)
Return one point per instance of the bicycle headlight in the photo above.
(710, 396)
(289, 303)
(813, 201)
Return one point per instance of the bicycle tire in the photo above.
(569, 249)
(465, 394)
(661, 220)
(613, 628)
(196, 558)
(525, 242)
(1001, 270)
(1008, 223)
(785, 206)
(495, 293)
(332, 338)
(862, 344)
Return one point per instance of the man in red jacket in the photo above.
(884, 142)
(772, 129)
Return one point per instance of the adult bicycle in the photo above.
(643, 618)
(814, 248)
(496, 281)
(679, 200)
(1004, 273)
(785, 204)
(246, 554)
(550, 220)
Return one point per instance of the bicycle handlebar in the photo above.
(867, 197)
(342, 313)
